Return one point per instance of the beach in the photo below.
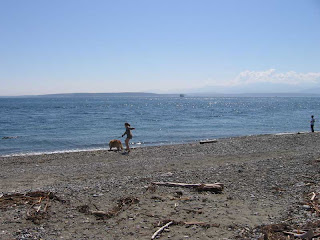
(268, 179)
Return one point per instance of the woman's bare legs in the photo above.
(127, 144)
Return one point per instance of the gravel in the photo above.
(268, 179)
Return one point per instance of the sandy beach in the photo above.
(268, 179)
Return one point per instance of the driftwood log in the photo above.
(212, 187)
(305, 235)
(209, 141)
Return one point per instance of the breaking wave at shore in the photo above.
(133, 145)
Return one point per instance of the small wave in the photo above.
(161, 143)
(53, 152)
(288, 133)
(10, 137)
(91, 149)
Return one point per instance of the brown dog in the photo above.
(115, 143)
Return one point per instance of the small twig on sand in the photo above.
(315, 207)
(287, 220)
(161, 229)
(313, 196)
(202, 224)
(310, 177)
(182, 223)
(122, 204)
(47, 204)
(193, 210)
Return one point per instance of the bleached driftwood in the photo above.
(212, 187)
(305, 235)
(161, 229)
(208, 141)
(313, 196)
(101, 214)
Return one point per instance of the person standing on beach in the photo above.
(312, 123)
(129, 135)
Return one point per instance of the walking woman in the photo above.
(129, 135)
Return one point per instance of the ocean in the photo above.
(64, 124)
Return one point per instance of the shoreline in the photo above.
(133, 146)
(267, 180)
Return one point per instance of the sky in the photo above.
(158, 46)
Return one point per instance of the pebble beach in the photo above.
(268, 181)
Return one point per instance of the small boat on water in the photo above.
(182, 95)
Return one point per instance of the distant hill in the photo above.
(253, 95)
(306, 93)
(82, 95)
(312, 90)
(124, 94)
(259, 89)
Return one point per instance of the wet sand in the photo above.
(267, 179)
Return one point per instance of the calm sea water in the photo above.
(71, 124)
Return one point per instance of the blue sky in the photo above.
(163, 46)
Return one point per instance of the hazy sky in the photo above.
(65, 46)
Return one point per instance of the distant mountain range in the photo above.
(196, 93)
(256, 89)
(82, 95)
(122, 94)
(312, 90)
(253, 95)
